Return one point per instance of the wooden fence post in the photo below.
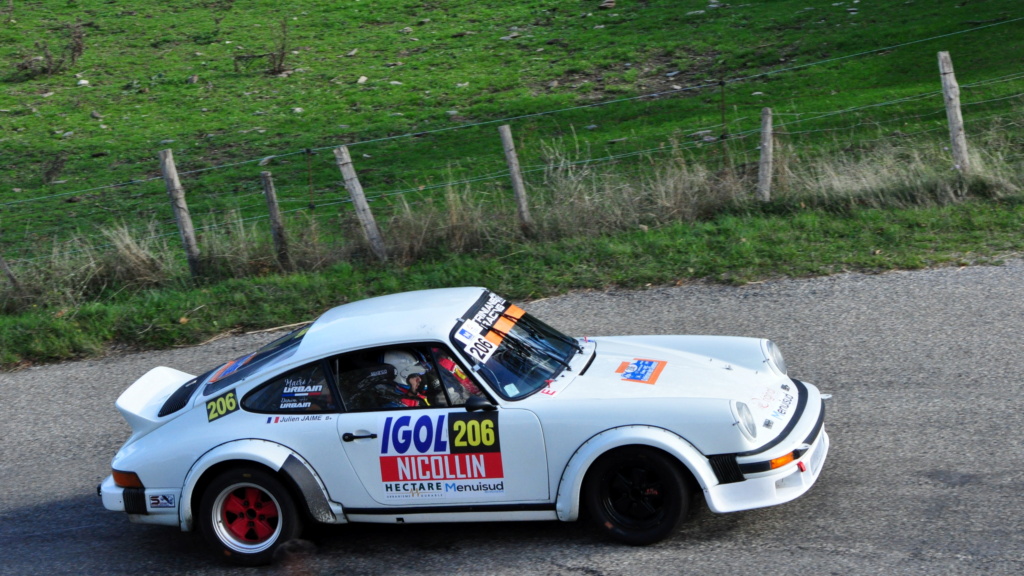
(276, 225)
(951, 94)
(355, 189)
(724, 137)
(517, 178)
(764, 167)
(10, 275)
(181, 214)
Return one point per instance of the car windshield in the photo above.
(515, 352)
(229, 373)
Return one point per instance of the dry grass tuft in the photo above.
(575, 198)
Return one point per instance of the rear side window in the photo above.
(300, 391)
(240, 368)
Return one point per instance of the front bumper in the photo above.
(774, 487)
(143, 505)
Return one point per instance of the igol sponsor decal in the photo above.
(441, 455)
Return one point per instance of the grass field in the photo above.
(610, 108)
(160, 75)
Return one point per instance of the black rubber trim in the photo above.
(755, 467)
(589, 362)
(720, 462)
(817, 427)
(766, 466)
(451, 509)
(135, 500)
(801, 404)
(310, 488)
(180, 398)
(726, 469)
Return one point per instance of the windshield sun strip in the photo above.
(514, 352)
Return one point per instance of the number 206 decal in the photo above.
(480, 349)
(221, 406)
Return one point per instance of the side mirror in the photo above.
(477, 403)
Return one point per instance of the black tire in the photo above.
(246, 513)
(636, 495)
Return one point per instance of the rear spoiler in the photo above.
(141, 402)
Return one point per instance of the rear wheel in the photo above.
(636, 495)
(247, 513)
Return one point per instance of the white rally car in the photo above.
(455, 405)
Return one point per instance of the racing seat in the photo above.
(368, 387)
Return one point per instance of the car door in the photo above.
(447, 456)
(441, 454)
(299, 409)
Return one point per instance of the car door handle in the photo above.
(348, 436)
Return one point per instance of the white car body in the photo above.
(720, 409)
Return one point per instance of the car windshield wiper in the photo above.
(514, 343)
(566, 339)
(562, 361)
(526, 349)
(526, 323)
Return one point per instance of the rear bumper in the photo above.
(774, 487)
(143, 505)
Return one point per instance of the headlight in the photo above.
(746, 420)
(775, 355)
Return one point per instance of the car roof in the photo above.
(423, 315)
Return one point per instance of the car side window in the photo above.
(405, 376)
(299, 391)
(366, 388)
(453, 378)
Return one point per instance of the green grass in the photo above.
(733, 248)
(461, 71)
(453, 58)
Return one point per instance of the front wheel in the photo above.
(636, 495)
(246, 514)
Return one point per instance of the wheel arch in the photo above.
(292, 470)
(570, 486)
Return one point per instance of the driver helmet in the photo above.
(405, 365)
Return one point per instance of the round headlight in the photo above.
(746, 420)
(775, 355)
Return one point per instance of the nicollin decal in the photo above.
(441, 455)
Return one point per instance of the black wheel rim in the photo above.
(634, 496)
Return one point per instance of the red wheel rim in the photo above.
(249, 515)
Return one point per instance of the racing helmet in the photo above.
(406, 365)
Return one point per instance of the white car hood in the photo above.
(705, 367)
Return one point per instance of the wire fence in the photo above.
(392, 169)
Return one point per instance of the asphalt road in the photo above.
(925, 474)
